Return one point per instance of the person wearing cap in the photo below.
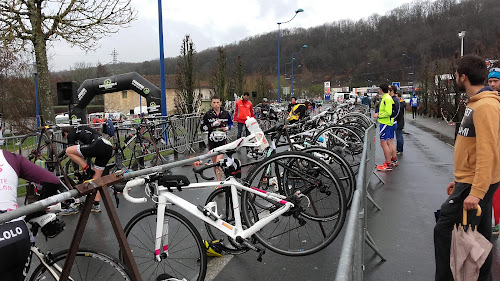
(494, 79)
(494, 83)
(242, 110)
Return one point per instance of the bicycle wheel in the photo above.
(178, 138)
(28, 147)
(146, 153)
(186, 256)
(343, 141)
(340, 166)
(88, 265)
(221, 198)
(319, 203)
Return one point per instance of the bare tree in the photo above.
(188, 99)
(16, 91)
(239, 76)
(219, 76)
(79, 22)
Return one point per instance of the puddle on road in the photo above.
(438, 135)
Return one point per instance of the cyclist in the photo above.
(92, 145)
(299, 111)
(14, 249)
(216, 122)
(266, 111)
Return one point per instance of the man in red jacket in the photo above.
(244, 109)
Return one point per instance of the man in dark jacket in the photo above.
(401, 124)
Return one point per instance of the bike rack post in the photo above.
(91, 188)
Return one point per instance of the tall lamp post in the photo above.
(304, 46)
(279, 31)
(412, 73)
(461, 35)
(162, 64)
(37, 109)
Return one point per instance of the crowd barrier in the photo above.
(351, 263)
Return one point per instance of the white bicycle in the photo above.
(165, 242)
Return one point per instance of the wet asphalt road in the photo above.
(402, 230)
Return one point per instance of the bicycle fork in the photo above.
(161, 239)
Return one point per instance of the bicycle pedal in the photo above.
(252, 247)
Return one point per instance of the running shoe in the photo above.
(96, 208)
(399, 153)
(71, 210)
(384, 167)
(394, 163)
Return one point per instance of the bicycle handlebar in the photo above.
(133, 183)
(203, 168)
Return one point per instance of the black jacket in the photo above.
(401, 116)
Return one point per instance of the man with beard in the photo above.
(476, 164)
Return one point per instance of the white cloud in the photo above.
(210, 23)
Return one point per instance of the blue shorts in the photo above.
(385, 131)
(394, 127)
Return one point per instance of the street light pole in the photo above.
(162, 65)
(37, 109)
(304, 46)
(461, 35)
(279, 31)
(291, 91)
(412, 73)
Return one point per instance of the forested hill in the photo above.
(370, 48)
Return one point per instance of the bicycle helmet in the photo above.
(214, 248)
(53, 228)
(264, 100)
(218, 136)
(232, 168)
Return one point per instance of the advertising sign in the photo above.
(327, 90)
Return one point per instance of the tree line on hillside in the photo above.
(346, 53)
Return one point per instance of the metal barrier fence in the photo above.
(351, 263)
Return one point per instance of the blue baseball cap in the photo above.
(494, 73)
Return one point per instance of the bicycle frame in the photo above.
(234, 231)
(41, 257)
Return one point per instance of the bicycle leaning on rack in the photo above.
(88, 264)
(177, 136)
(44, 148)
(165, 242)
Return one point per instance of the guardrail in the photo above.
(351, 263)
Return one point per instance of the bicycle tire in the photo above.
(178, 138)
(347, 143)
(341, 168)
(86, 263)
(146, 152)
(297, 232)
(186, 250)
(224, 208)
(28, 147)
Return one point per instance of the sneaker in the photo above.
(495, 229)
(384, 167)
(96, 208)
(399, 153)
(168, 277)
(394, 163)
(71, 210)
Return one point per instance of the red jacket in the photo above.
(242, 110)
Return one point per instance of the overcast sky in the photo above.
(210, 24)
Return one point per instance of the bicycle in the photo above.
(88, 264)
(294, 228)
(43, 148)
(177, 136)
(137, 152)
